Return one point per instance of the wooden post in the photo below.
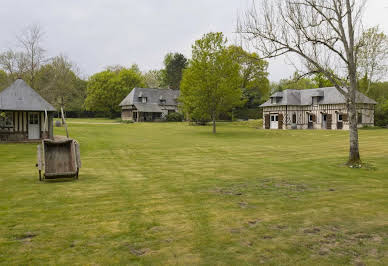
(64, 122)
(45, 124)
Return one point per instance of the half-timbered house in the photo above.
(323, 108)
(144, 104)
(24, 114)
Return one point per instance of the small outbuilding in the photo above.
(23, 114)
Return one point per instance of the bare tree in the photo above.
(31, 40)
(373, 55)
(325, 36)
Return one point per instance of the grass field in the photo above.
(170, 193)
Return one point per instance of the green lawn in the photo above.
(170, 193)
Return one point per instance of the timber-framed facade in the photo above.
(24, 114)
(323, 108)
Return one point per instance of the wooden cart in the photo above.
(58, 159)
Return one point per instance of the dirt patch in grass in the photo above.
(340, 242)
(137, 251)
(26, 236)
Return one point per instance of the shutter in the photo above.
(280, 121)
(329, 121)
(345, 117)
(267, 121)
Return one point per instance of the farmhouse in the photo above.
(323, 108)
(143, 104)
(23, 114)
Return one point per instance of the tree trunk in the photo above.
(214, 126)
(354, 153)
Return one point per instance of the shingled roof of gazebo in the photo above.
(21, 97)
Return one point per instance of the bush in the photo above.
(246, 113)
(174, 117)
(381, 114)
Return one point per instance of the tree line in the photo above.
(61, 83)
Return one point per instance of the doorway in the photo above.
(324, 121)
(274, 121)
(33, 126)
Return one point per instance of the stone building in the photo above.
(144, 104)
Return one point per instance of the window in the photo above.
(162, 101)
(340, 118)
(272, 118)
(359, 118)
(6, 119)
(273, 100)
(294, 118)
(33, 119)
(310, 118)
(144, 99)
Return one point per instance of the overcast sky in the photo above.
(98, 33)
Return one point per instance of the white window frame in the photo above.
(144, 99)
(338, 118)
(310, 118)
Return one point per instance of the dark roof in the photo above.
(153, 96)
(21, 97)
(148, 108)
(328, 95)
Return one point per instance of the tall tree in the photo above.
(373, 58)
(321, 81)
(31, 40)
(58, 82)
(15, 64)
(174, 66)
(254, 76)
(153, 79)
(4, 82)
(324, 34)
(211, 83)
(105, 90)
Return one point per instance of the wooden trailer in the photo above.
(58, 159)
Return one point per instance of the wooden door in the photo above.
(33, 125)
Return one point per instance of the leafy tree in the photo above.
(4, 81)
(321, 81)
(105, 90)
(153, 79)
(254, 76)
(59, 84)
(373, 56)
(174, 66)
(211, 83)
(15, 64)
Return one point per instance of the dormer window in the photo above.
(144, 99)
(162, 101)
(276, 97)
